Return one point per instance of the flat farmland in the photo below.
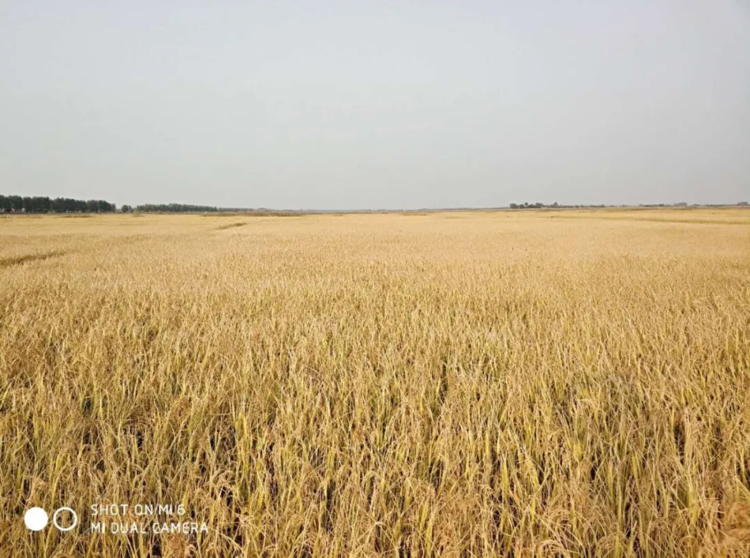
(499, 383)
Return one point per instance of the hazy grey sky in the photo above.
(376, 104)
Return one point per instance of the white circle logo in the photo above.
(72, 524)
(35, 519)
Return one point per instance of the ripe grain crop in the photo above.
(455, 384)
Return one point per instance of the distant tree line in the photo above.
(176, 208)
(527, 205)
(684, 204)
(43, 204)
(182, 208)
(557, 205)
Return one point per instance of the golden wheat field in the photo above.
(502, 383)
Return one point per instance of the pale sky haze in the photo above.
(388, 104)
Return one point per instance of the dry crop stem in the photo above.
(458, 384)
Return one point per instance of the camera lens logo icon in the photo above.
(37, 519)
